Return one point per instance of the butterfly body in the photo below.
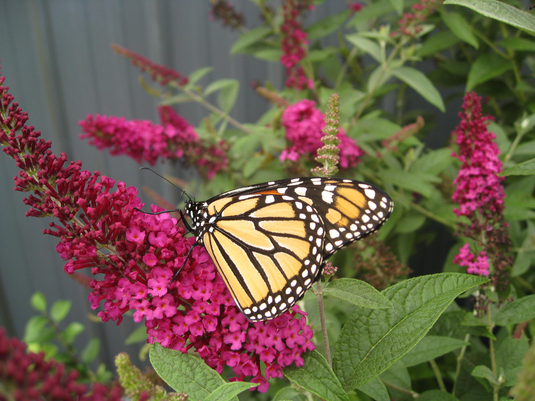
(270, 241)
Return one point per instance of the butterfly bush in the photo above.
(479, 192)
(294, 42)
(32, 377)
(304, 124)
(145, 141)
(410, 24)
(133, 257)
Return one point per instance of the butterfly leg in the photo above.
(185, 260)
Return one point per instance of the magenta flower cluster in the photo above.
(133, 257)
(145, 141)
(410, 24)
(478, 189)
(304, 124)
(27, 376)
(197, 311)
(294, 42)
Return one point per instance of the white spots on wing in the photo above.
(282, 190)
(327, 197)
(301, 191)
(334, 233)
(270, 199)
(370, 193)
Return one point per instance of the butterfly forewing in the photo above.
(275, 242)
(269, 241)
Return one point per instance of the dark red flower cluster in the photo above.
(355, 7)
(224, 10)
(479, 191)
(145, 141)
(304, 125)
(410, 23)
(294, 41)
(27, 376)
(159, 73)
(134, 257)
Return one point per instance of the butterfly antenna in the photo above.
(163, 178)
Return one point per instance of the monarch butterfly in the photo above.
(270, 241)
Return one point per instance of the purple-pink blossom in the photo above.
(304, 124)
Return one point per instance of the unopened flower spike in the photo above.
(328, 154)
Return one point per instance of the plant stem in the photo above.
(459, 359)
(438, 375)
(319, 295)
(496, 387)
(413, 394)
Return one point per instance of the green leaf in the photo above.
(218, 85)
(268, 54)
(184, 373)
(501, 12)
(72, 331)
(421, 84)
(249, 38)
(431, 347)
(38, 302)
(414, 182)
(509, 357)
(36, 330)
(59, 310)
(433, 162)
(460, 28)
(327, 25)
(376, 389)
(486, 67)
(410, 222)
(229, 391)
(288, 393)
(139, 335)
(398, 5)
(91, 350)
(518, 44)
(437, 43)
(368, 46)
(228, 95)
(485, 373)
(377, 79)
(317, 377)
(252, 165)
(357, 293)
(518, 311)
(524, 168)
(198, 74)
(436, 395)
(373, 339)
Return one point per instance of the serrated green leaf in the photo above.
(518, 311)
(368, 46)
(184, 373)
(357, 293)
(38, 301)
(376, 389)
(486, 67)
(460, 28)
(139, 335)
(229, 391)
(91, 350)
(317, 377)
(327, 25)
(436, 395)
(524, 168)
(60, 309)
(485, 373)
(249, 38)
(72, 331)
(421, 84)
(198, 74)
(373, 339)
(436, 43)
(501, 12)
(431, 347)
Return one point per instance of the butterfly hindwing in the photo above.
(269, 241)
